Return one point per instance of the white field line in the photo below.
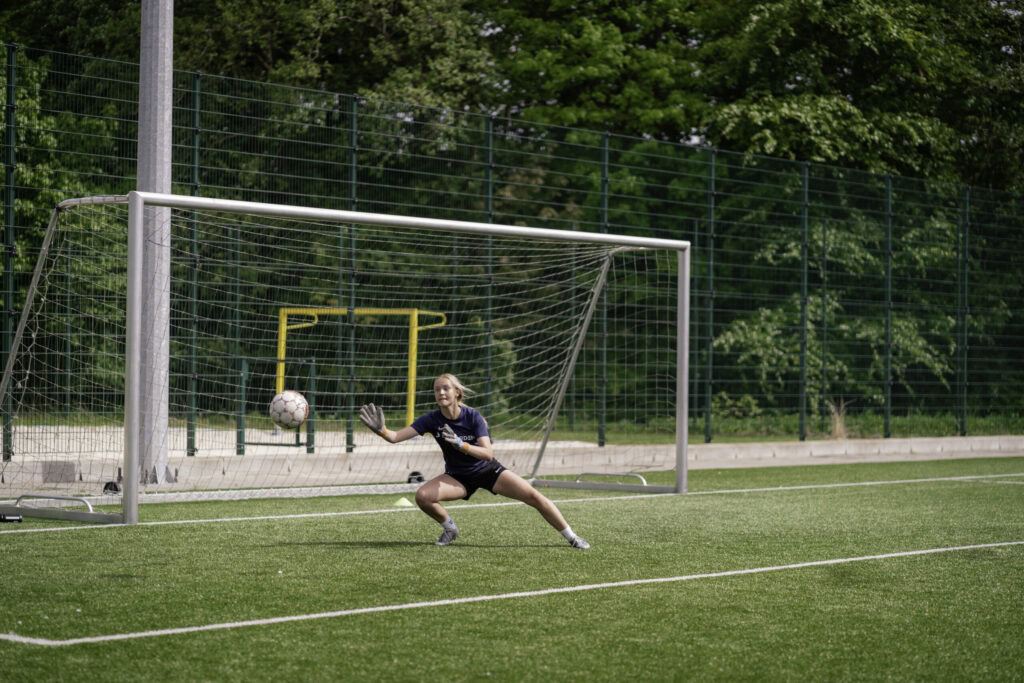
(470, 506)
(15, 638)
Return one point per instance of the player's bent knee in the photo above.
(425, 497)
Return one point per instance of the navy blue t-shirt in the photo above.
(469, 427)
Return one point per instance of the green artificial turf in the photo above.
(956, 614)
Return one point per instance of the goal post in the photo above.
(517, 307)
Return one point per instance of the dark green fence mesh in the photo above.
(825, 300)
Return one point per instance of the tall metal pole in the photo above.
(154, 175)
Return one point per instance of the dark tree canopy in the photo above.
(932, 89)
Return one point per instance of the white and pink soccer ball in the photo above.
(289, 409)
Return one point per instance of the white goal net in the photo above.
(143, 366)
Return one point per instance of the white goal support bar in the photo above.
(135, 347)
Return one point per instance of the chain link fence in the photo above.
(827, 302)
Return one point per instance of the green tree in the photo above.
(888, 86)
(625, 67)
(425, 51)
(891, 86)
(47, 171)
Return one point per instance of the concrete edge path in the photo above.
(836, 451)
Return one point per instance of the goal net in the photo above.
(157, 329)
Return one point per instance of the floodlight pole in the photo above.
(156, 104)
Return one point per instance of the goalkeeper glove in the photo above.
(452, 438)
(373, 417)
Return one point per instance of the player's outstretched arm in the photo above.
(373, 417)
(481, 451)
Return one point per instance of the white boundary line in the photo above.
(15, 638)
(470, 506)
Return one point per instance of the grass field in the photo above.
(896, 571)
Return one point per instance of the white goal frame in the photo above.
(140, 355)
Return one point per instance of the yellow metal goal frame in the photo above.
(308, 312)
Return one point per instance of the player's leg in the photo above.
(441, 488)
(513, 486)
(428, 498)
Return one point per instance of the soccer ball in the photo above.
(289, 409)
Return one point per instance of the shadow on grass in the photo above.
(407, 544)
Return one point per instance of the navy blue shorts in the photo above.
(484, 478)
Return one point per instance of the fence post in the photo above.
(350, 444)
(68, 369)
(311, 402)
(235, 236)
(695, 327)
(241, 399)
(963, 311)
(887, 428)
(10, 245)
(824, 323)
(709, 359)
(489, 266)
(193, 380)
(602, 311)
(804, 200)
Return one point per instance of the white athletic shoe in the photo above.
(578, 542)
(447, 536)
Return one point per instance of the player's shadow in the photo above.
(345, 544)
(402, 544)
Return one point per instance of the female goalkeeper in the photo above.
(469, 462)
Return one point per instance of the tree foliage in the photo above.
(624, 67)
(885, 85)
(429, 52)
(891, 86)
